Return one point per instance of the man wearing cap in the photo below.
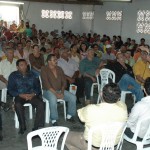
(108, 55)
(141, 68)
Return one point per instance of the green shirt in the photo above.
(89, 67)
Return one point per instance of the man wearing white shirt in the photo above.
(71, 70)
(139, 111)
(21, 54)
(7, 66)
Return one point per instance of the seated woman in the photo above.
(74, 55)
(36, 60)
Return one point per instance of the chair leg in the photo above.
(92, 90)
(47, 112)
(30, 112)
(139, 146)
(64, 110)
(16, 121)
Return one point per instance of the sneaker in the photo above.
(72, 120)
(55, 124)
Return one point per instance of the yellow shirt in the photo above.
(94, 115)
(142, 69)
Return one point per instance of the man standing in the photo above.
(25, 87)
(54, 83)
(7, 66)
(109, 111)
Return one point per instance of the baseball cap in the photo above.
(145, 49)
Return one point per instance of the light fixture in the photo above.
(11, 2)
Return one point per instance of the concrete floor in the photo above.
(14, 141)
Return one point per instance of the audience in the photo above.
(88, 54)
(54, 83)
(109, 111)
(23, 85)
(139, 111)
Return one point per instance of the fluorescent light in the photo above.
(10, 2)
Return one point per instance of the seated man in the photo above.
(110, 110)
(71, 70)
(25, 87)
(89, 67)
(36, 60)
(125, 76)
(139, 111)
(7, 66)
(141, 68)
(54, 83)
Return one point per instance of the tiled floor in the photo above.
(14, 141)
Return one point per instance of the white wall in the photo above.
(125, 28)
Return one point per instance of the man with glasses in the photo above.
(141, 68)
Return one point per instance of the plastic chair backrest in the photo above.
(108, 133)
(140, 123)
(105, 75)
(49, 137)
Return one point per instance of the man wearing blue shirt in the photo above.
(89, 67)
(25, 87)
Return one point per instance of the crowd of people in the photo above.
(60, 60)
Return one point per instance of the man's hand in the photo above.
(97, 72)
(60, 95)
(27, 96)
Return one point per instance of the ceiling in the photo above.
(87, 2)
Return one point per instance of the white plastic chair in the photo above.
(105, 75)
(108, 134)
(4, 95)
(49, 138)
(146, 139)
(47, 109)
(30, 114)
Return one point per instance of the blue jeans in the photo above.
(127, 80)
(68, 97)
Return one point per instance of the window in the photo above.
(88, 15)
(114, 15)
(143, 21)
(9, 14)
(56, 14)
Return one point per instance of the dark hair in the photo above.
(72, 46)
(43, 49)
(147, 85)
(142, 39)
(50, 56)
(94, 45)
(28, 41)
(35, 46)
(20, 60)
(111, 93)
